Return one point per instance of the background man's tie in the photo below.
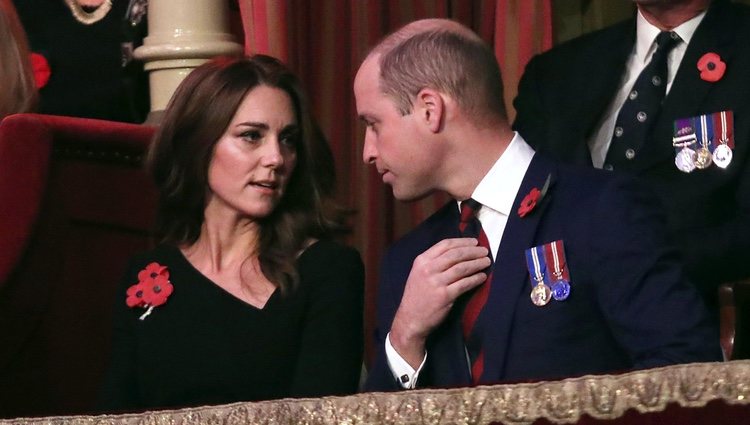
(470, 227)
(642, 105)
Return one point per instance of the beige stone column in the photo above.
(182, 34)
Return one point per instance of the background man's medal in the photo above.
(703, 158)
(685, 160)
(722, 155)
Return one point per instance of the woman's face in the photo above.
(254, 158)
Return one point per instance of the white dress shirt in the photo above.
(496, 192)
(643, 50)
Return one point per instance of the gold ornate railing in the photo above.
(562, 402)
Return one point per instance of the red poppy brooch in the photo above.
(532, 198)
(711, 67)
(529, 202)
(152, 290)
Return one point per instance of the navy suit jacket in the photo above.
(629, 306)
(564, 92)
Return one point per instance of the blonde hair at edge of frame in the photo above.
(18, 91)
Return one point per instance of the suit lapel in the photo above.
(510, 281)
(688, 90)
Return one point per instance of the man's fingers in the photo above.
(447, 245)
(452, 256)
(466, 268)
(457, 288)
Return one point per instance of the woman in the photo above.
(247, 298)
(18, 91)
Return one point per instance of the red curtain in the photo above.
(324, 42)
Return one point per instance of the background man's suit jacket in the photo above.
(564, 92)
(629, 306)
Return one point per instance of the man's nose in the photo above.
(369, 152)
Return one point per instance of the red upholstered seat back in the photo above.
(75, 204)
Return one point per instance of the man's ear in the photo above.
(430, 107)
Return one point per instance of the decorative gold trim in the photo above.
(560, 402)
(88, 18)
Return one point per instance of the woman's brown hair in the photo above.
(196, 117)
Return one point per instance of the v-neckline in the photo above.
(221, 289)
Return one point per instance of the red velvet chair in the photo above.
(75, 204)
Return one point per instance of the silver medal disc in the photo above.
(722, 155)
(685, 160)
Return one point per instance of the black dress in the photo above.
(93, 74)
(205, 346)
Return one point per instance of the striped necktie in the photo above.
(470, 227)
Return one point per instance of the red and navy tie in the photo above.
(470, 227)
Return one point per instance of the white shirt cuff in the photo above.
(401, 370)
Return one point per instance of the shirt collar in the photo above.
(499, 187)
(646, 34)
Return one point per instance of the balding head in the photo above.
(443, 55)
(421, 26)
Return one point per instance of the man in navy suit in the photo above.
(570, 96)
(431, 97)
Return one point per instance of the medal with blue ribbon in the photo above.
(705, 130)
(540, 292)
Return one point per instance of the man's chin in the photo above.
(408, 195)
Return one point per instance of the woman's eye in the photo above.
(289, 141)
(251, 135)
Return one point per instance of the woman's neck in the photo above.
(225, 242)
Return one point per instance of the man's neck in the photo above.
(668, 15)
(475, 152)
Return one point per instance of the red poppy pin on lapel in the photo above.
(711, 67)
(529, 202)
(152, 290)
(532, 198)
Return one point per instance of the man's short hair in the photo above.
(460, 65)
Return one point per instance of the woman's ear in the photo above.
(430, 107)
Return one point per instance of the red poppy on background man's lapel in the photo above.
(711, 67)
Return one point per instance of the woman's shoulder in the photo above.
(326, 257)
(332, 267)
(329, 250)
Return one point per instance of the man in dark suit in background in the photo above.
(563, 271)
(572, 99)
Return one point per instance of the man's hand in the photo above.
(437, 278)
